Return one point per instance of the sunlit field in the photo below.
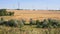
(31, 22)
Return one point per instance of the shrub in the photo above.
(12, 23)
(23, 21)
(48, 23)
(2, 21)
(58, 23)
(39, 24)
(53, 22)
(45, 23)
(11, 13)
(32, 22)
(3, 12)
(20, 23)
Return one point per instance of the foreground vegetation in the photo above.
(46, 23)
(28, 30)
(13, 26)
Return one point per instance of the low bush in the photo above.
(16, 23)
(48, 23)
(10, 13)
(38, 24)
(2, 21)
(20, 23)
(32, 22)
(3, 12)
(12, 23)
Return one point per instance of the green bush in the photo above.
(16, 23)
(58, 24)
(48, 23)
(45, 23)
(32, 22)
(3, 12)
(2, 21)
(23, 21)
(39, 24)
(53, 23)
(11, 13)
(12, 23)
(20, 23)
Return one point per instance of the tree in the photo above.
(11, 13)
(3, 12)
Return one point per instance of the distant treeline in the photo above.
(3, 12)
(53, 10)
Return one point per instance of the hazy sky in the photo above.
(30, 4)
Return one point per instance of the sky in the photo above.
(30, 4)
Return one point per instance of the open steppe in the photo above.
(34, 14)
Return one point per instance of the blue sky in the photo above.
(30, 4)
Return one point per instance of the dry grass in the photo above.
(27, 14)
(28, 30)
(37, 14)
